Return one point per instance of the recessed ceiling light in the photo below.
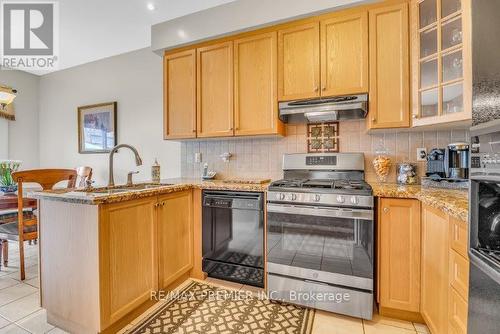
(151, 6)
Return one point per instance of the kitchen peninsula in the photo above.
(103, 251)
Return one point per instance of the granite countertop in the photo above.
(167, 186)
(453, 202)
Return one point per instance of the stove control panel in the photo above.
(324, 160)
(485, 161)
(320, 199)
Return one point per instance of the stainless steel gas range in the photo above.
(320, 234)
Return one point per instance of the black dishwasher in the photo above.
(233, 236)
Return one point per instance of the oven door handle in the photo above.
(321, 212)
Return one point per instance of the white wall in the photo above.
(135, 81)
(23, 132)
(4, 139)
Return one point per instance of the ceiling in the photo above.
(94, 29)
(90, 30)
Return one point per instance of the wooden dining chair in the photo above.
(26, 229)
(83, 174)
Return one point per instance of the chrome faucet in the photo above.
(138, 160)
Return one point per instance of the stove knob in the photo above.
(292, 197)
(340, 199)
(280, 196)
(316, 198)
(354, 200)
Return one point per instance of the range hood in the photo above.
(327, 109)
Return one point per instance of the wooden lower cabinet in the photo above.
(457, 313)
(175, 236)
(399, 254)
(127, 257)
(423, 266)
(435, 285)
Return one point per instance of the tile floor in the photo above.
(20, 312)
(329, 323)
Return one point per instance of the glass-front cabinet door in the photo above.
(441, 61)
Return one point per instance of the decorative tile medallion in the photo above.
(206, 309)
(323, 137)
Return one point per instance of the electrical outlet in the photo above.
(421, 154)
(197, 157)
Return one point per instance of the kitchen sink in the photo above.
(125, 188)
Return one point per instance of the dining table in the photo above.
(8, 202)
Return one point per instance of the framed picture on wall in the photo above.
(97, 128)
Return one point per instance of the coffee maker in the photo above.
(456, 161)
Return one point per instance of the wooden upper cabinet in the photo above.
(399, 254)
(435, 275)
(298, 62)
(344, 55)
(180, 95)
(215, 90)
(389, 105)
(441, 61)
(175, 236)
(255, 85)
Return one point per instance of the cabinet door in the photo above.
(441, 61)
(399, 254)
(255, 85)
(298, 62)
(215, 90)
(389, 67)
(175, 236)
(180, 95)
(344, 55)
(435, 286)
(127, 257)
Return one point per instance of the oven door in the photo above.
(328, 245)
(485, 217)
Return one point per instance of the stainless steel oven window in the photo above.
(338, 241)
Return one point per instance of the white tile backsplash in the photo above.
(257, 157)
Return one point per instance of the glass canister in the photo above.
(382, 164)
(407, 173)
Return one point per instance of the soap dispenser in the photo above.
(155, 172)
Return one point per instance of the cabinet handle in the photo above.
(323, 88)
(163, 203)
(316, 88)
(374, 119)
(194, 130)
(415, 116)
(386, 210)
(157, 205)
